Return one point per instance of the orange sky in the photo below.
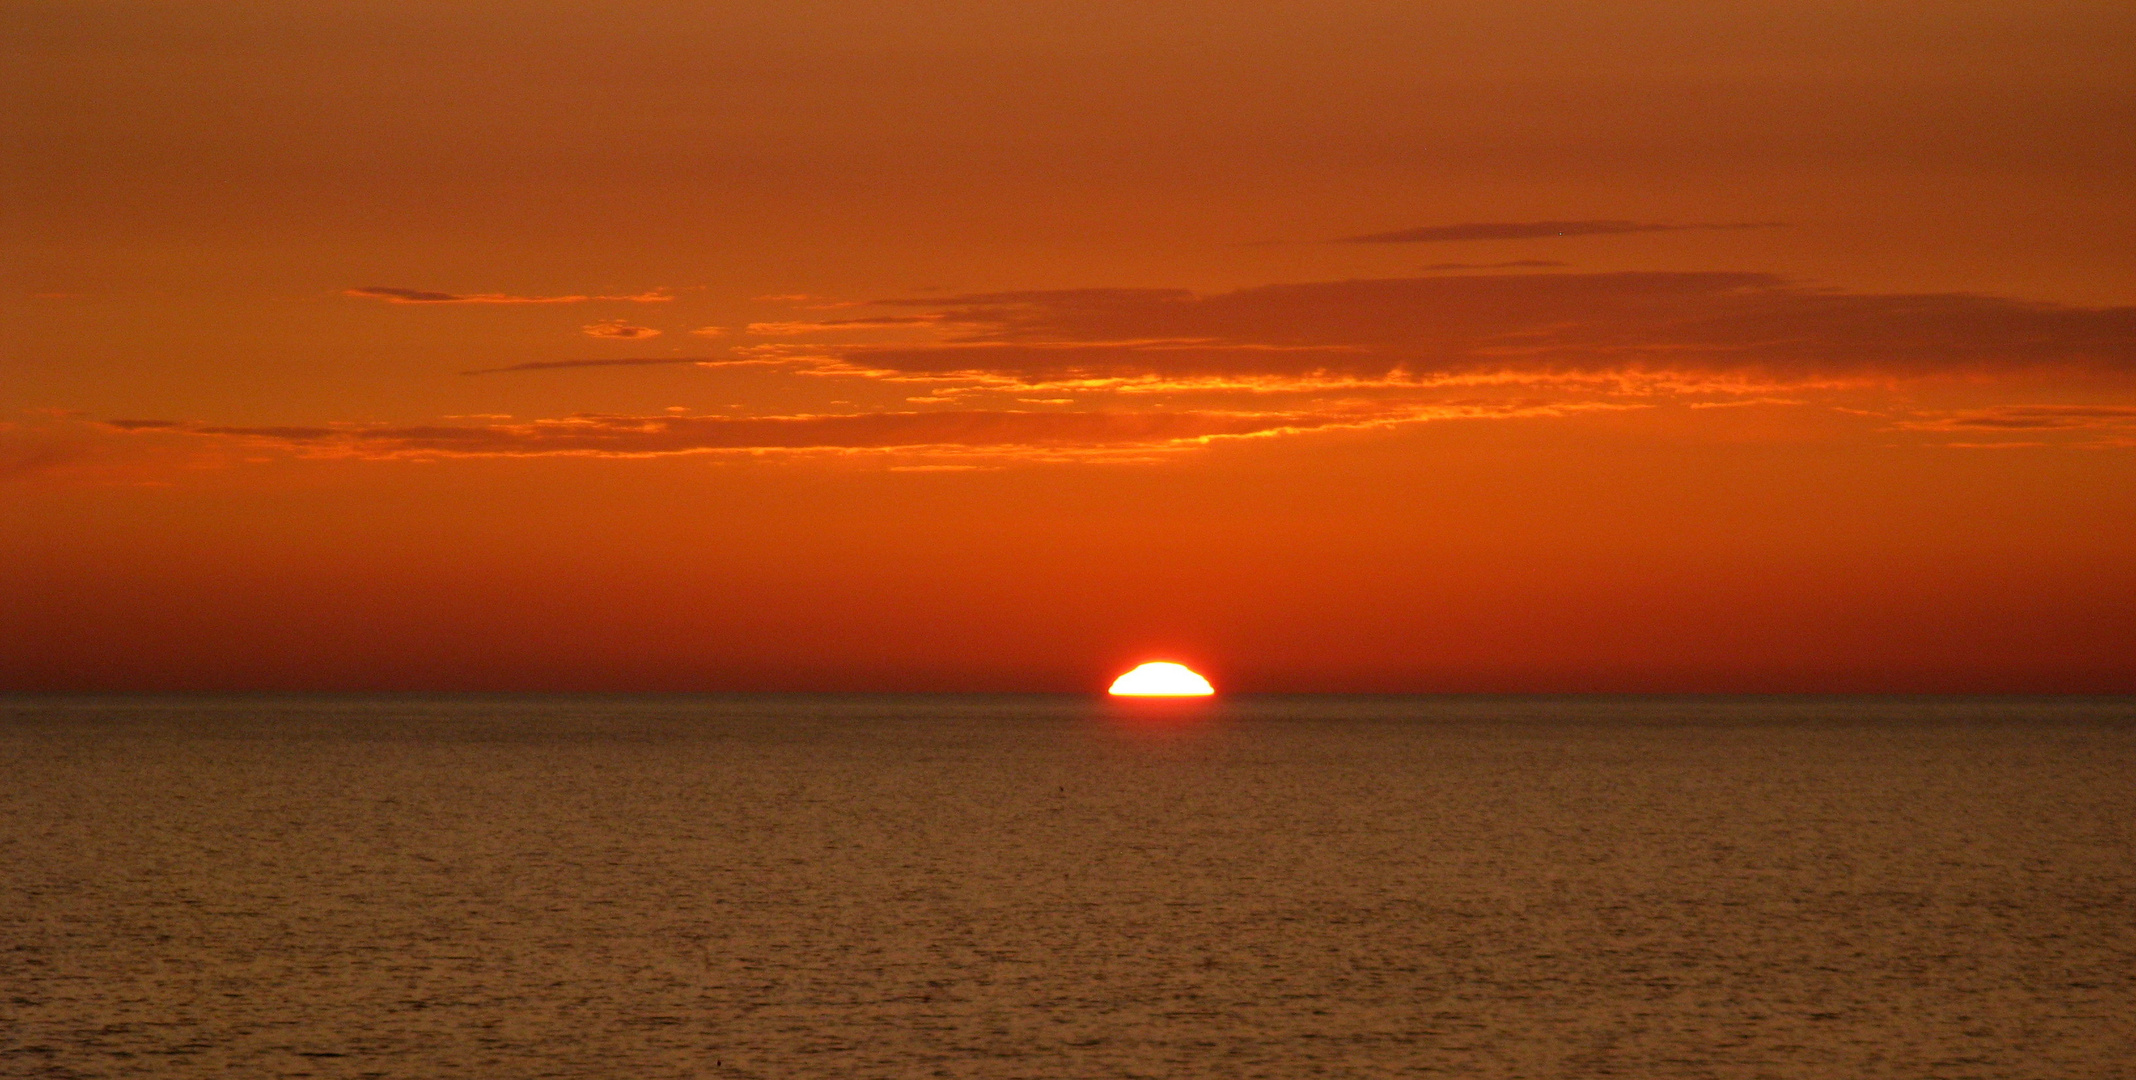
(1001, 345)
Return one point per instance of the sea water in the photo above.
(771, 886)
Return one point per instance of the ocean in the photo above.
(952, 886)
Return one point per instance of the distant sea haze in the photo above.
(795, 886)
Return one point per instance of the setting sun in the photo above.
(1161, 679)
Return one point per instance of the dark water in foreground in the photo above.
(1042, 887)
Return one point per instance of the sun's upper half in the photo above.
(1162, 679)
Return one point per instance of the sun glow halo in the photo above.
(1161, 679)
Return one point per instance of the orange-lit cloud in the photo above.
(618, 330)
(2030, 418)
(993, 430)
(790, 329)
(1758, 327)
(630, 361)
(1525, 230)
(424, 296)
(1356, 354)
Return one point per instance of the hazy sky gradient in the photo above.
(1330, 346)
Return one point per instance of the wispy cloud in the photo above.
(1513, 264)
(2029, 418)
(619, 330)
(1099, 374)
(1528, 230)
(57, 445)
(792, 329)
(1755, 327)
(808, 301)
(24, 455)
(631, 361)
(278, 432)
(1049, 434)
(424, 296)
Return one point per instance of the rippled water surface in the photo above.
(1051, 887)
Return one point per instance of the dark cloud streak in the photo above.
(2032, 418)
(1424, 328)
(647, 436)
(1528, 230)
(633, 361)
(393, 295)
(1515, 264)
